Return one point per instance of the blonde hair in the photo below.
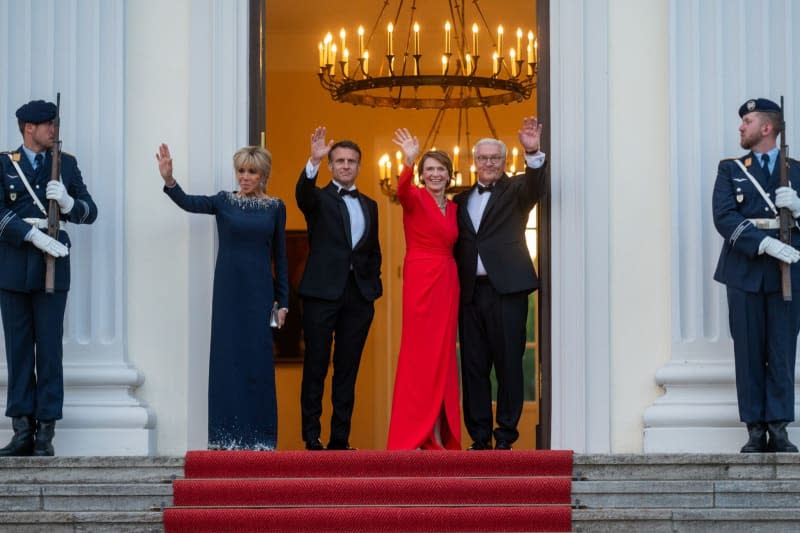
(257, 158)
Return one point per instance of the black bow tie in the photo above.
(352, 192)
(487, 188)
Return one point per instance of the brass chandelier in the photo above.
(464, 72)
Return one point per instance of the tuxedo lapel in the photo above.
(463, 210)
(367, 220)
(494, 198)
(334, 193)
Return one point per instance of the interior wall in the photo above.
(296, 104)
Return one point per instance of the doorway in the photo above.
(283, 120)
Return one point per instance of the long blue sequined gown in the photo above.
(242, 405)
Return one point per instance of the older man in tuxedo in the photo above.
(496, 275)
(341, 281)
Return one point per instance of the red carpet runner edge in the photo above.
(380, 491)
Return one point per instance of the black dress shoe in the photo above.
(480, 446)
(502, 445)
(338, 445)
(314, 445)
(779, 438)
(757, 441)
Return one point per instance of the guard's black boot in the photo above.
(757, 443)
(43, 447)
(779, 438)
(22, 442)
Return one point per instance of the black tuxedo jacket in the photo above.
(330, 250)
(500, 239)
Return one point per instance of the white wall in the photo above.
(156, 110)
(640, 211)
(610, 133)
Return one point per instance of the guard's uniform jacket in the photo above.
(22, 265)
(736, 203)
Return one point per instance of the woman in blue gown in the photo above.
(250, 278)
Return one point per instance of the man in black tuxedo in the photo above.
(340, 284)
(496, 276)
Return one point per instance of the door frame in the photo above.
(257, 125)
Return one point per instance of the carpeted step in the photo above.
(367, 519)
(372, 491)
(302, 464)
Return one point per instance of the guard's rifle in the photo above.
(53, 213)
(786, 218)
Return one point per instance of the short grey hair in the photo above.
(490, 140)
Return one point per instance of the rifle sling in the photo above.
(28, 186)
(758, 187)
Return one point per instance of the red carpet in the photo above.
(372, 491)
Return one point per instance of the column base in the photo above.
(101, 415)
(699, 411)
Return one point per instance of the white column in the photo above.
(188, 83)
(722, 53)
(579, 165)
(77, 48)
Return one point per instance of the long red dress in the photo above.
(426, 383)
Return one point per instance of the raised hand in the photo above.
(408, 143)
(530, 136)
(319, 147)
(165, 164)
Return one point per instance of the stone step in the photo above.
(32, 470)
(686, 520)
(85, 497)
(630, 467)
(749, 494)
(70, 522)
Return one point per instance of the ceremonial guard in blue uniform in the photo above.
(764, 327)
(33, 320)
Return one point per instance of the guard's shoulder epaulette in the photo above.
(15, 155)
(734, 158)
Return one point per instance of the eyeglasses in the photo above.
(487, 158)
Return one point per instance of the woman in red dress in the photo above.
(425, 409)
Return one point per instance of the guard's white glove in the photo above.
(787, 197)
(778, 250)
(56, 191)
(46, 243)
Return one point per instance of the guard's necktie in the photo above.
(488, 188)
(38, 162)
(352, 192)
(765, 163)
